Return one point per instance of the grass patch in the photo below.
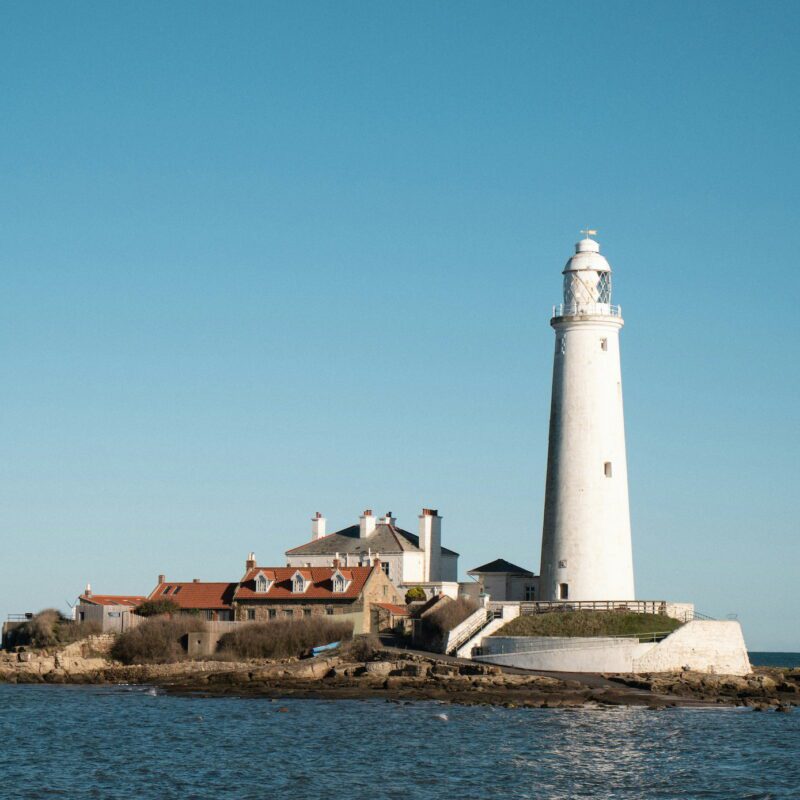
(589, 623)
(283, 638)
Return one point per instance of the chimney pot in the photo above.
(162, 578)
(195, 580)
(250, 562)
(88, 591)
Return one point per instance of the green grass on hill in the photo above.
(588, 623)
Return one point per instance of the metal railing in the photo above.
(591, 309)
(556, 606)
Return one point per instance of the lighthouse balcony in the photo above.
(587, 309)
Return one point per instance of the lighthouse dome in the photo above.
(587, 257)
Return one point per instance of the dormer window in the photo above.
(262, 583)
(299, 583)
(340, 583)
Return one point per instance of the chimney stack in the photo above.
(251, 562)
(317, 526)
(366, 524)
(88, 591)
(430, 542)
(162, 578)
(195, 580)
(388, 519)
(336, 562)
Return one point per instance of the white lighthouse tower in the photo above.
(586, 537)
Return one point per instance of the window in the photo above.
(82, 615)
(562, 563)
(298, 583)
(272, 613)
(563, 591)
(329, 611)
(385, 591)
(385, 568)
(166, 590)
(113, 613)
(288, 613)
(530, 593)
(607, 469)
(177, 589)
(262, 584)
(604, 344)
(306, 612)
(251, 614)
(209, 615)
(338, 583)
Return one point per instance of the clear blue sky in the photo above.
(264, 259)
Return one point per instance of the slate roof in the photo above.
(500, 565)
(112, 599)
(320, 587)
(385, 539)
(195, 594)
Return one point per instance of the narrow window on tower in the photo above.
(607, 469)
(604, 344)
(563, 591)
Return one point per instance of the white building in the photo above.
(586, 537)
(503, 581)
(407, 559)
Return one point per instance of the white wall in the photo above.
(707, 646)
(703, 646)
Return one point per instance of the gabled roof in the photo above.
(320, 583)
(385, 539)
(131, 600)
(500, 565)
(195, 594)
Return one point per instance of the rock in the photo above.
(784, 709)
(378, 668)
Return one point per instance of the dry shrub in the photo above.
(283, 638)
(363, 648)
(50, 628)
(444, 617)
(158, 640)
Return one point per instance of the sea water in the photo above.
(126, 742)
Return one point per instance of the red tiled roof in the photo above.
(398, 611)
(319, 578)
(113, 599)
(191, 594)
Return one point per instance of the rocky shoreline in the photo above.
(401, 676)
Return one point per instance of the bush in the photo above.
(157, 640)
(414, 594)
(363, 648)
(283, 638)
(154, 608)
(443, 618)
(50, 628)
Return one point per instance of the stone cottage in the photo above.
(268, 593)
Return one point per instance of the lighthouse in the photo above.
(586, 535)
